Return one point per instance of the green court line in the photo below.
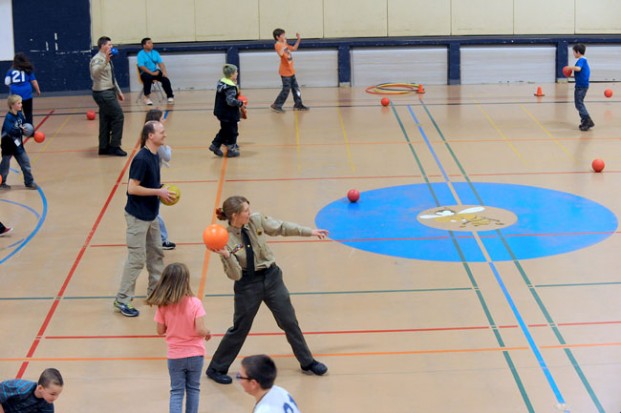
(111, 297)
(466, 266)
(524, 276)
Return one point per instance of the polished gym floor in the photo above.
(478, 272)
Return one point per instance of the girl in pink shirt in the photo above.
(180, 316)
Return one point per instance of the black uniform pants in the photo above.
(111, 119)
(265, 286)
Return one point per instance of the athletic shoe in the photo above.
(148, 102)
(6, 231)
(167, 245)
(171, 100)
(218, 377)
(32, 186)
(216, 150)
(301, 108)
(4, 186)
(316, 367)
(277, 109)
(127, 310)
(231, 152)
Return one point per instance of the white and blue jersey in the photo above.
(277, 400)
(19, 83)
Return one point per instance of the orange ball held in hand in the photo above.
(567, 71)
(215, 237)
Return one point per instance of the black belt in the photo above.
(259, 273)
(106, 90)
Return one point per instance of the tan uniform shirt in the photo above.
(101, 74)
(258, 227)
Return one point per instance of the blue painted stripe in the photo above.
(40, 220)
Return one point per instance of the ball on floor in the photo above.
(353, 195)
(598, 165)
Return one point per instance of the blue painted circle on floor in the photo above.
(549, 222)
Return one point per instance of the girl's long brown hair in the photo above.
(172, 286)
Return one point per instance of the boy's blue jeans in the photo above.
(579, 95)
(24, 163)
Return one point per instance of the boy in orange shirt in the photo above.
(287, 72)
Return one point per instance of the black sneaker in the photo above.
(301, 108)
(216, 150)
(231, 152)
(5, 231)
(277, 109)
(4, 186)
(116, 151)
(167, 245)
(316, 367)
(32, 186)
(218, 377)
(127, 310)
(104, 151)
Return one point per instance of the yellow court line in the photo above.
(547, 132)
(350, 160)
(502, 135)
(297, 140)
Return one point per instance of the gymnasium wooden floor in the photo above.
(536, 332)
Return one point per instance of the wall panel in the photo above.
(426, 65)
(166, 24)
(604, 62)
(123, 21)
(534, 17)
(507, 64)
(419, 18)
(598, 16)
(314, 68)
(304, 17)
(219, 21)
(187, 71)
(355, 18)
(470, 17)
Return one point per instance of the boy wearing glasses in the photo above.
(256, 376)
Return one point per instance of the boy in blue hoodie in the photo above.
(12, 144)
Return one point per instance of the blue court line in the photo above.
(525, 331)
(543, 309)
(466, 266)
(40, 220)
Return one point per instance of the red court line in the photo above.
(74, 266)
(42, 122)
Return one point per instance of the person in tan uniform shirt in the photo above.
(249, 261)
(107, 94)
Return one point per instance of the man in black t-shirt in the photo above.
(144, 243)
